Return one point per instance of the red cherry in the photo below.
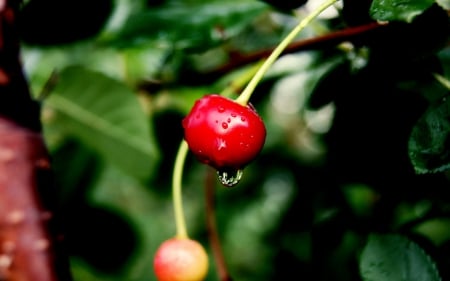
(180, 259)
(222, 133)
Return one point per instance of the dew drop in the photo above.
(243, 119)
(233, 115)
(229, 120)
(229, 177)
(221, 109)
(224, 125)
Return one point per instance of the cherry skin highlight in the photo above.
(222, 133)
(180, 259)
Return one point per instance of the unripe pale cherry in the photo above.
(223, 133)
(180, 259)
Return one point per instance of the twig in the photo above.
(211, 225)
(318, 42)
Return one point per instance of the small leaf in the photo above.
(429, 143)
(395, 258)
(398, 10)
(105, 115)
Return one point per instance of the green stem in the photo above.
(235, 86)
(248, 91)
(177, 177)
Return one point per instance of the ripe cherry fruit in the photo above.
(224, 134)
(180, 259)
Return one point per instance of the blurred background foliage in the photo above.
(352, 183)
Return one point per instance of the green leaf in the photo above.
(429, 143)
(107, 116)
(444, 4)
(190, 26)
(398, 10)
(395, 258)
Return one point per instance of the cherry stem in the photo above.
(180, 222)
(234, 87)
(244, 97)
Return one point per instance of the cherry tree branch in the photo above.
(30, 237)
(354, 34)
(315, 43)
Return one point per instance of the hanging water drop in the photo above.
(229, 177)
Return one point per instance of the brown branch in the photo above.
(30, 240)
(360, 33)
(27, 248)
(211, 224)
(318, 42)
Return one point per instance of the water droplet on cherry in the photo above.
(229, 177)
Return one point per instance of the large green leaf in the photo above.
(398, 10)
(184, 25)
(395, 258)
(429, 143)
(105, 115)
